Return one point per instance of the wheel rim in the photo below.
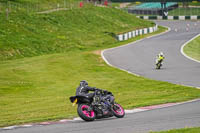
(89, 114)
(118, 109)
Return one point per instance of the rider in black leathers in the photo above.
(84, 89)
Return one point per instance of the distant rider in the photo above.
(160, 58)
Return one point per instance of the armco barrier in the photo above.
(131, 34)
(170, 17)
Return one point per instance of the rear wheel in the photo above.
(158, 66)
(85, 112)
(118, 110)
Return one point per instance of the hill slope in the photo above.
(25, 35)
(62, 47)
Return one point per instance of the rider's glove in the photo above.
(105, 91)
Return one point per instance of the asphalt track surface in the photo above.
(179, 116)
(139, 58)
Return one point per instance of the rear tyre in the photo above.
(85, 113)
(158, 66)
(118, 110)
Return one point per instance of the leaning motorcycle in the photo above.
(93, 108)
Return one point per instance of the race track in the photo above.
(139, 57)
(179, 116)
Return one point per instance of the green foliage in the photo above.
(194, 3)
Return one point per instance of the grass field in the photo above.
(37, 5)
(194, 3)
(38, 88)
(184, 11)
(44, 56)
(185, 130)
(192, 49)
(27, 35)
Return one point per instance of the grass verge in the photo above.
(192, 49)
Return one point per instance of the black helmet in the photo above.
(83, 83)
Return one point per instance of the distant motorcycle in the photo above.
(90, 109)
(159, 60)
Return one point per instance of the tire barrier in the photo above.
(131, 34)
(170, 17)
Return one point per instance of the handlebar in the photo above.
(103, 91)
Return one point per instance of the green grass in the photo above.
(184, 11)
(192, 49)
(185, 130)
(44, 56)
(38, 5)
(195, 3)
(27, 35)
(38, 88)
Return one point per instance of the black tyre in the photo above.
(158, 66)
(118, 110)
(84, 113)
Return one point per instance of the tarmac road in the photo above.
(139, 57)
(179, 116)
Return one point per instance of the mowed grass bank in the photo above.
(192, 49)
(44, 56)
(28, 35)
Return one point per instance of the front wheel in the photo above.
(85, 112)
(118, 110)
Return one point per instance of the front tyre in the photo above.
(85, 113)
(118, 110)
